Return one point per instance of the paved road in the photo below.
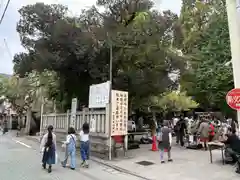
(20, 160)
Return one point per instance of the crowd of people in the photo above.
(202, 130)
(48, 148)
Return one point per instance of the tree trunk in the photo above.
(28, 122)
(154, 124)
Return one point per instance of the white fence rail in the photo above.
(61, 122)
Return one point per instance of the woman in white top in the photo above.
(70, 144)
(48, 147)
(84, 144)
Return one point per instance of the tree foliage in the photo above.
(24, 93)
(77, 48)
(174, 102)
(206, 41)
(3, 82)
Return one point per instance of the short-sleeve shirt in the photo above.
(83, 137)
(165, 134)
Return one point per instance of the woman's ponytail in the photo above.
(50, 136)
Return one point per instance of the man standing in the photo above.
(203, 132)
(181, 130)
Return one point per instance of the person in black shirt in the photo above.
(232, 144)
(181, 130)
(234, 125)
(233, 147)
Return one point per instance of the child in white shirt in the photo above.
(84, 144)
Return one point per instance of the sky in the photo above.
(9, 35)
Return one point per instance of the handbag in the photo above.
(42, 150)
(56, 158)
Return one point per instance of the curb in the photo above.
(31, 138)
(100, 161)
(117, 168)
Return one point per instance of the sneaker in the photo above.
(63, 165)
(170, 160)
(86, 164)
(72, 168)
(162, 162)
(49, 169)
(83, 164)
(237, 171)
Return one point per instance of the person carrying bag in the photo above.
(165, 142)
(48, 148)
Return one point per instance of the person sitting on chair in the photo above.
(233, 147)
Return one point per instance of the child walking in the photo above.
(70, 144)
(84, 144)
(165, 142)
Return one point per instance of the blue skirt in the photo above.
(49, 156)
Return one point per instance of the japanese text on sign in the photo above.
(119, 113)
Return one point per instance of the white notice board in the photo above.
(119, 118)
(99, 95)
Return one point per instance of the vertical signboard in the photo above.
(73, 112)
(119, 118)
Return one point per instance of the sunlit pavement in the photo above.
(187, 165)
(20, 160)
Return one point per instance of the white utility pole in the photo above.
(234, 32)
(110, 94)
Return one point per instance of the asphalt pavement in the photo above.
(20, 159)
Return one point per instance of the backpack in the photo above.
(211, 129)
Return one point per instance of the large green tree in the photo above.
(206, 43)
(77, 48)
